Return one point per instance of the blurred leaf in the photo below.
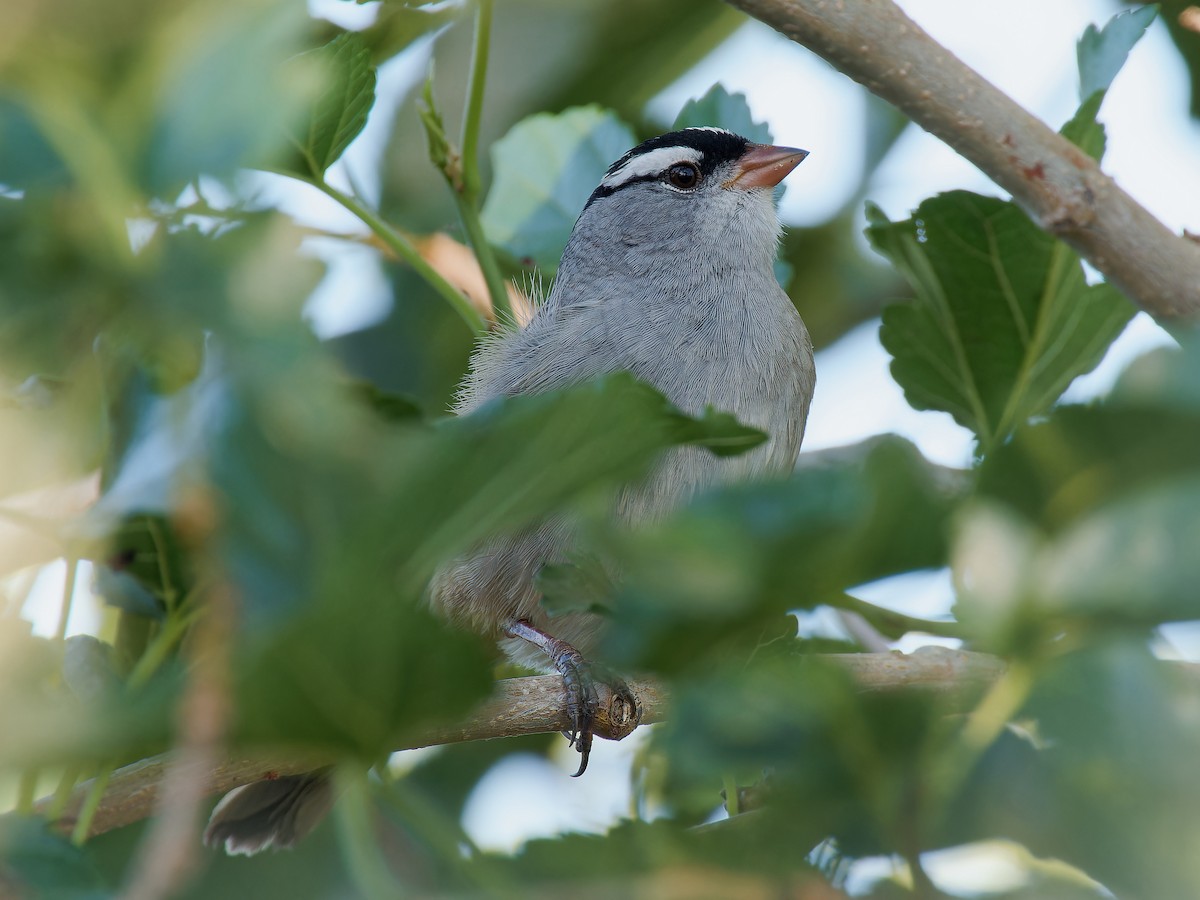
(357, 669)
(27, 160)
(1059, 471)
(1102, 52)
(389, 407)
(47, 724)
(329, 565)
(1140, 439)
(227, 94)
(37, 862)
(1003, 320)
(582, 584)
(1107, 786)
(719, 575)
(1166, 379)
(1132, 560)
(724, 110)
(663, 859)
(545, 169)
(849, 760)
(339, 112)
(718, 432)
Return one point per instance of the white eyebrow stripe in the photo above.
(651, 164)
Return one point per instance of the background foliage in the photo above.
(152, 330)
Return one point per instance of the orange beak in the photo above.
(764, 166)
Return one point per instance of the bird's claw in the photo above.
(580, 680)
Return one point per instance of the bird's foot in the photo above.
(584, 682)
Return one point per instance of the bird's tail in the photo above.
(275, 813)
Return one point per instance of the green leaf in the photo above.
(1102, 52)
(1133, 560)
(339, 111)
(1003, 318)
(330, 548)
(545, 169)
(1141, 438)
(36, 862)
(843, 756)
(583, 584)
(1107, 784)
(26, 158)
(720, 573)
(226, 94)
(719, 432)
(722, 109)
(1084, 131)
(1081, 458)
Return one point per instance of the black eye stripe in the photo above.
(715, 147)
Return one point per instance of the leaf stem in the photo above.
(472, 183)
(26, 789)
(404, 249)
(468, 212)
(159, 649)
(62, 793)
(468, 199)
(91, 803)
(360, 846)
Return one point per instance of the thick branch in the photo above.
(1061, 187)
(519, 706)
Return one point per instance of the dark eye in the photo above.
(683, 175)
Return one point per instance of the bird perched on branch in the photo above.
(669, 275)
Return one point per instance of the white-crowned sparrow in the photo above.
(669, 275)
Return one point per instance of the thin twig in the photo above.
(1059, 185)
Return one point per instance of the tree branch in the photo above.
(519, 706)
(1059, 185)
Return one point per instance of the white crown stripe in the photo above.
(651, 164)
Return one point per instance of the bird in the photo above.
(668, 274)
